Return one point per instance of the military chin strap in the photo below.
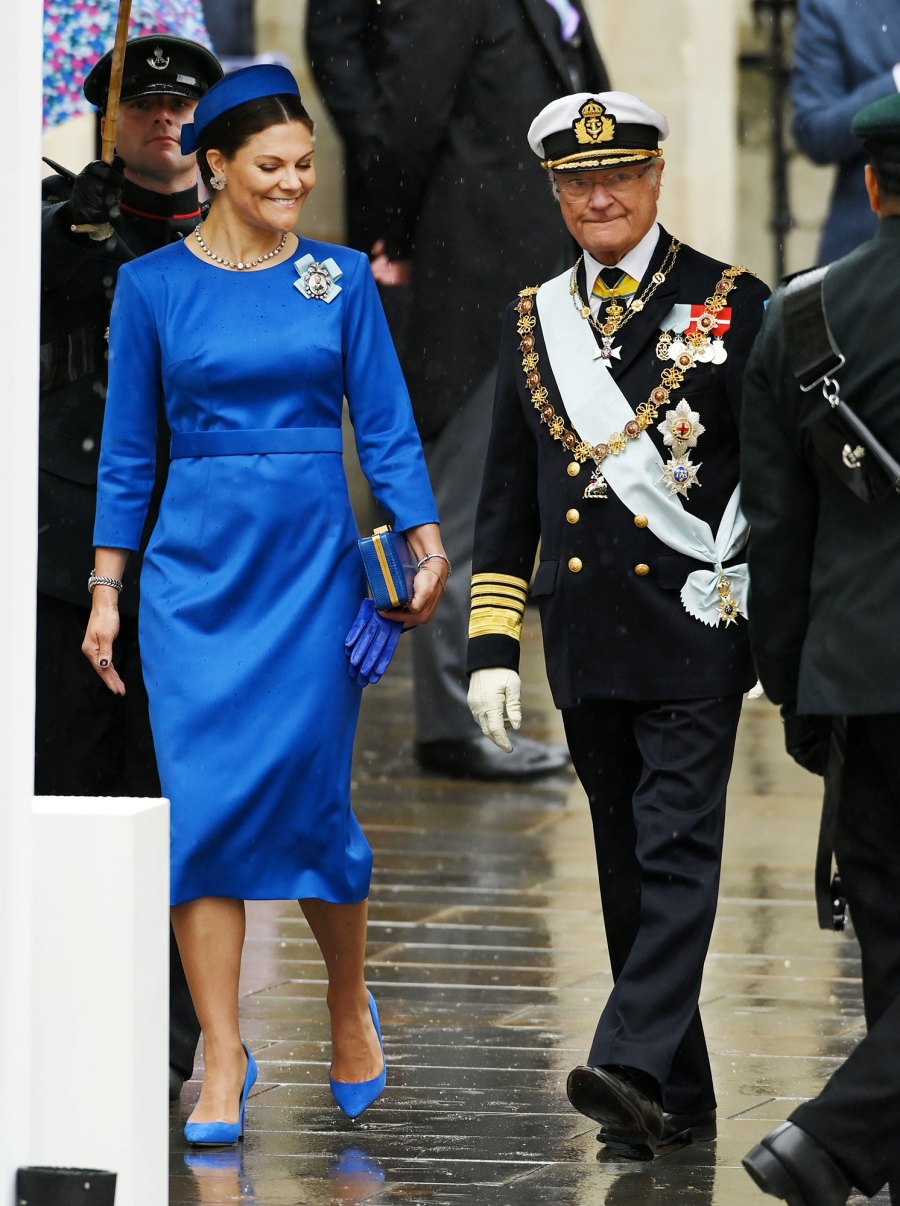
(846, 443)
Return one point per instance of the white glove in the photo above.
(494, 695)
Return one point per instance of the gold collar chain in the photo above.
(616, 315)
(647, 412)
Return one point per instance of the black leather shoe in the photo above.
(176, 1083)
(699, 1127)
(478, 758)
(632, 1121)
(791, 1165)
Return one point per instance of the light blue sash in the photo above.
(597, 407)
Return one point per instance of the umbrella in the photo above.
(78, 32)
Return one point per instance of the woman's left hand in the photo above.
(424, 542)
(428, 587)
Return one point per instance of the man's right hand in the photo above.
(389, 272)
(96, 193)
(494, 696)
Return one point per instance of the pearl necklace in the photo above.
(240, 265)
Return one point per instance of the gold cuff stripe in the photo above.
(495, 621)
(508, 592)
(498, 601)
(500, 579)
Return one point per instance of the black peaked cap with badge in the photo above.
(156, 64)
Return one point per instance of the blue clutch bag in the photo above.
(390, 568)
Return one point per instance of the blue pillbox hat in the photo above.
(250, 83)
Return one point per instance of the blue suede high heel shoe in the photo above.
(355, 1096)
(222, 1134)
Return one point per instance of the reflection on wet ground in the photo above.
(487, 959)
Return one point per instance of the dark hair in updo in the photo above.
(234, 128)
(885, 157)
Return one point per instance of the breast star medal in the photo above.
(680, 430)
(680, 473)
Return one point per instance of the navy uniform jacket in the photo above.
(825, 566)
(78, 279)
(611, 631)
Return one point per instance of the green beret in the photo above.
(879, 121)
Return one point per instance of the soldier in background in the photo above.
(88, 741)
(825, 563)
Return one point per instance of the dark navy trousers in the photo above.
(656, 773)
(856, 1117)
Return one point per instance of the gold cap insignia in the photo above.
(594, 126)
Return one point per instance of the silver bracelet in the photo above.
(101, 580)
(440, 557)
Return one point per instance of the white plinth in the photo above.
(101, 990)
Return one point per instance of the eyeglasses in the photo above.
(577, 187)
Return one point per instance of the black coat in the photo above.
(343, 42)
(608, 631)
(78, 279)
(825, 567)
(451, 178)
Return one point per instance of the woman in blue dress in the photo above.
(249, 339)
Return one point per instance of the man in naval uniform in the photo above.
(826, 580)
(614, 446)
(87, 741)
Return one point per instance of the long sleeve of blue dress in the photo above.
(128, 454)
(386, 440)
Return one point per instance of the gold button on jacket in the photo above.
(641, 570)
(573, 516)
(641, 521)
(575, 565)
(573, 469)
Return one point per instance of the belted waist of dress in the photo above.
(245, 442)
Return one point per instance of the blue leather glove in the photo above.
(370, 644)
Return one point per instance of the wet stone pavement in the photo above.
(486, 957)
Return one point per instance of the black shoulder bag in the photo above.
(842, 439)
